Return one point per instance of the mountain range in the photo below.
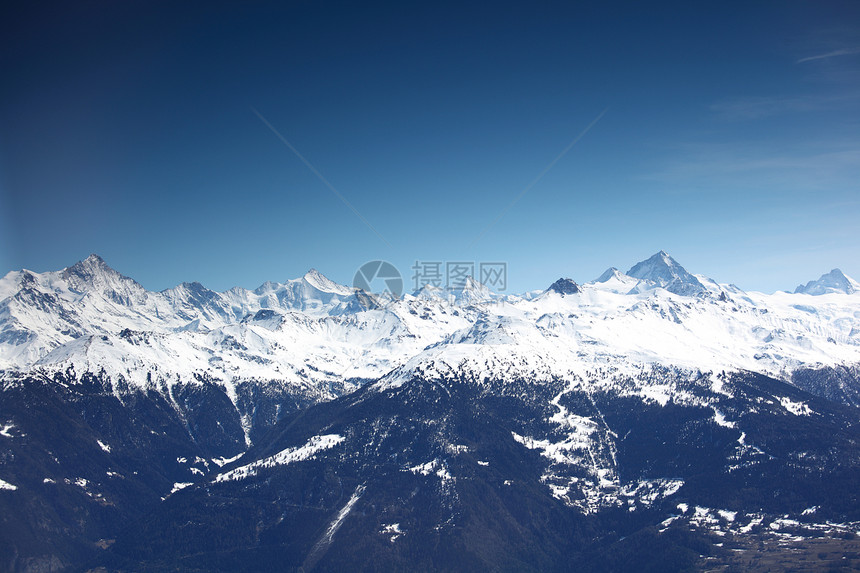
(641, 419)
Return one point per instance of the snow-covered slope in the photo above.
(559, 335)
(313, 334)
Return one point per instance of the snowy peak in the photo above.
(322, 283)
(93, 274)
(191, 301)
(471, 284)
(564, 286)
(471, 292)
(609, 274)
(659, 267)
(313, 293)
(663, 271)
(430, 292)
(92, 262)
(613, 280)
(311, 281)
(14, 281)
(193, 290)
(91, 269)
(468, 291)
(833, 282)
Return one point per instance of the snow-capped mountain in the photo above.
(558, 392)
(615, 281)
(470, 292)
(311, 334)
(39, 312)
(833, 282)
(564, 286)
(663, 271)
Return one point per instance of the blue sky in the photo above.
(730, 138)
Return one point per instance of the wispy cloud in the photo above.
(757, 107)
(834, 168)
(833, 54)
(760, 107)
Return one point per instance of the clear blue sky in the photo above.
(731, 138)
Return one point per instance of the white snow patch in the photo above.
(392, 529)
(753, 523)
(796, 408)
(668, 521)
(179, 486)
(284, 457)
(220, 462)
(103, 446)
(5, 485)
(559, 491)
(425, 469)
(432, 467)
(783, 523)
(443, 474)
(457, 449)
(561, 452)
(720, 419)
(649, 491)
(727, 515)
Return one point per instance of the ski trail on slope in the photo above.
(324, 542)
